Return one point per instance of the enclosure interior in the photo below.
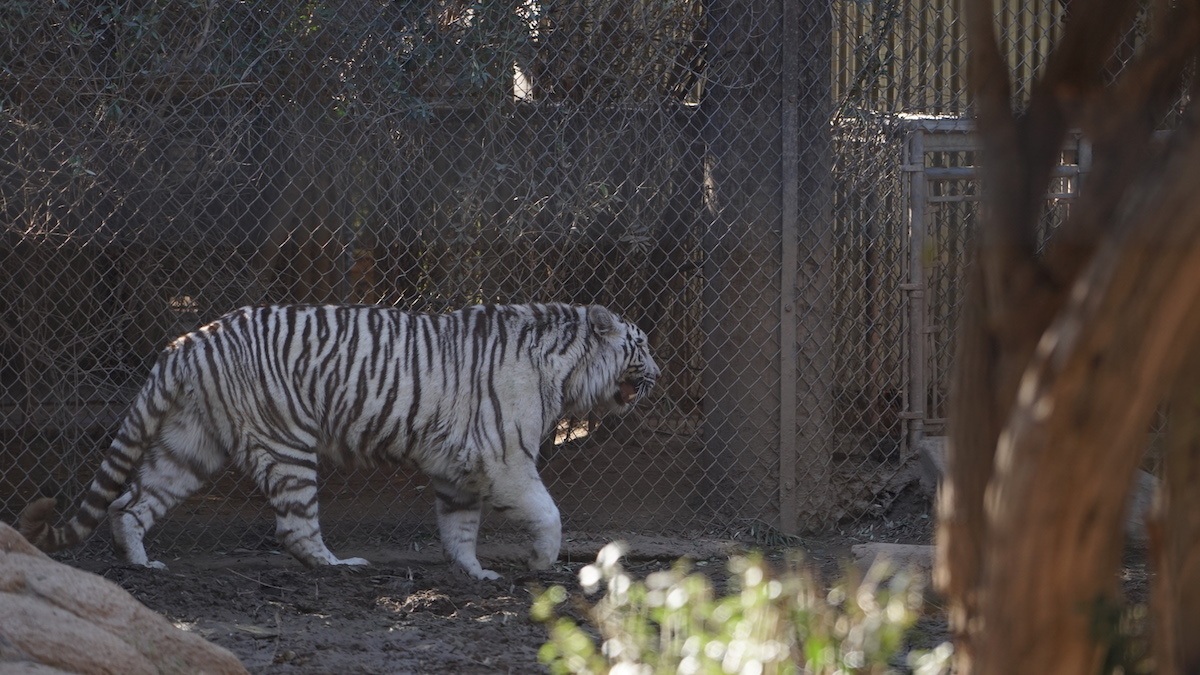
(164, 163)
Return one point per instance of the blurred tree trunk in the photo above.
(1063, 356)
(1175, 531)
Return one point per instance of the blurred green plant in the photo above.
(677, 622)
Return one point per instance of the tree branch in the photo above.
(1074, 72)
(1121, 121)
(1004, 235)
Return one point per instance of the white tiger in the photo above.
(466, 397)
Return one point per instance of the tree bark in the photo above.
(1063, 357)
(1175, 532)
(1066, 459)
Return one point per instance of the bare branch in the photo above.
(988, 75)
(1020, 152)
(991, 96)
(1120, 121)
(1073, 73)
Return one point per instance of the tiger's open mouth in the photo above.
(626, 393)
(630, 390)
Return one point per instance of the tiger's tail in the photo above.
(137, 432)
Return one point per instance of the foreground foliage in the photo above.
(677, 622)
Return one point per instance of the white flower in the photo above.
(610, 554)
(589, 578)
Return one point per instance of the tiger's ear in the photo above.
(602, 321)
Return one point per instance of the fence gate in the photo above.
(943, 192)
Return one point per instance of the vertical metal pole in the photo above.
(1084, 160)
(918, 368)
(789, 243)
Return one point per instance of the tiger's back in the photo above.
(363, 383)
(465, 396)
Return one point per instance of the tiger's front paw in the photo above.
(476, 571)
(486, 575)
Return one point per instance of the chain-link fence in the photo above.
(733, 175)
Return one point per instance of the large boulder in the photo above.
(55, 619)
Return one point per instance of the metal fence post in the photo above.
(914, 164)
(788, 267)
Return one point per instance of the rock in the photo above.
(916, 557)
(55, 618)
(931, 463)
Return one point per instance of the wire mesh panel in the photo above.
(871, 309)
(729, 174)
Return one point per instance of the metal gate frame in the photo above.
(925, 136)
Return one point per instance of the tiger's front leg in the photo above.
(518, 492)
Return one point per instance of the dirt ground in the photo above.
(409, 612)
(406, 613)
(278, 617)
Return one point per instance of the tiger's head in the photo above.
(622, 371)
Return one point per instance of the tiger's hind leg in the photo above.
(159, 486)
(288, 478)
(458, 513)
(178, 464)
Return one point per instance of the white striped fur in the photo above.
(466, 397)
